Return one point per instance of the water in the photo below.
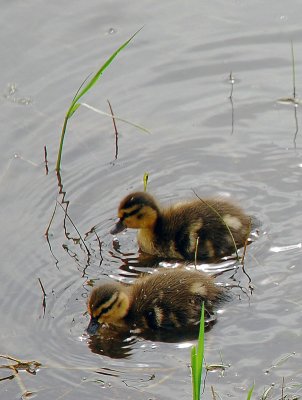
(175, 79)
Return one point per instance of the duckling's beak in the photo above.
(119, 227)
(93, 326)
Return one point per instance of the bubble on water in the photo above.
(111, 31)
(184, 345)
(24, 101)
(83, 337)
(12, 88)
(283, 18)
(11, 95)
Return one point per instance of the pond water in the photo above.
(205, 79)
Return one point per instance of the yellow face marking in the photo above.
(113, 310)
(140, 217)
(122, 306)
(96, 312)
(122, 211)
(232, 222)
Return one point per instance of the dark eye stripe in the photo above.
(129, 214)
(106, 309)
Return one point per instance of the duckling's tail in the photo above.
(224, 295)
(255, 223)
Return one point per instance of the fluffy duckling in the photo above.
(184, 230)
(168, 299)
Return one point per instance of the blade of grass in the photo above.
(197, 359)
(293, 69)
(115, 130)
(74, 104)
(145, 180)
(194, 368)
(114, 116)
(95, 78)
(249, 395)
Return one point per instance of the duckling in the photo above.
(168, 299)
(196, 228)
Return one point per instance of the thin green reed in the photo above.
(197, 359)
(84, 89)
(250, 392)
(145, 181)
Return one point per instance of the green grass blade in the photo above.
(293, 69)
(249, 395)
(193, 367)
(80, 93)
(96, 77)
(195, 372)
(114, 116)
(74, 109)
(145, 181)
(197, 359)
(200, 349)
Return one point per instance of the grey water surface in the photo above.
(205, 78)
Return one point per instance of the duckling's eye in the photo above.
(130, 213)
(140, 216)
(105, 310)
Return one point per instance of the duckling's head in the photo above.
(107, 304)
(138, 210)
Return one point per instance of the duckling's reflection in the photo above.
(137, 263)
(112, 343)
(118, 344)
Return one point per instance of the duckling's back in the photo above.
(204, 223)
(172, 299)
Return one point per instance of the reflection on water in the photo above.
(116, 343)
(13, 96)
(112, 343)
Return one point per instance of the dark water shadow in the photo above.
(118, 344)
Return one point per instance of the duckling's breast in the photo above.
(159, 244)
(146, 241)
